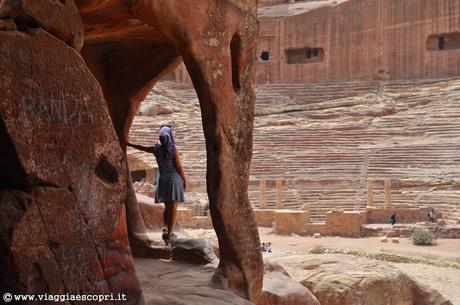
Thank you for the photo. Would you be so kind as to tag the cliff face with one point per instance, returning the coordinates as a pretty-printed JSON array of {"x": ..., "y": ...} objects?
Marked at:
[
  {"x": 359, "y": 40},
  {"x": 347, "y": 40}
]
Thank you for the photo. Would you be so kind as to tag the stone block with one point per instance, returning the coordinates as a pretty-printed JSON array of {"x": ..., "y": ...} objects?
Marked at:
[
  {"x": 202, "y": 222},
  {"x": 342, "y": 223},
  {"x": 291, "y": 221},
  {"x": 315, "y": 228},
  {"x": 184, "y": 215},
  {"x": 403, "y": 214},
  {"x": 264, "y": 217}
]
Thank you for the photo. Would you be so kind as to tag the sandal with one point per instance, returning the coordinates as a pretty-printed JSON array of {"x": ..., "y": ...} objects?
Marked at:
[{"x": 167, "y": 238}]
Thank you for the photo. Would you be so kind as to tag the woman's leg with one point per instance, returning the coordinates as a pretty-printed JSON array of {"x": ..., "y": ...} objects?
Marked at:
[
  {"x": 172, "y": 216},
  {"x": 166, "y": 215}
]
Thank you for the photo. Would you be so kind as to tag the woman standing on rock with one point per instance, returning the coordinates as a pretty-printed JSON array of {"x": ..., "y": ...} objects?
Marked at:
[{"x": 171, "y": 182}]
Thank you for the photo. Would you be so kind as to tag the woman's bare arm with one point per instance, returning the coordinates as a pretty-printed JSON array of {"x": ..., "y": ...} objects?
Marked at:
[
  {"x": 179, "y": 167},
  {"x": 148, "y": 149}
]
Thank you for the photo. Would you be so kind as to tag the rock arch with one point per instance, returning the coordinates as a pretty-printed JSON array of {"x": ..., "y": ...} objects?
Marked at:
[{"x": 128, "y": 46}]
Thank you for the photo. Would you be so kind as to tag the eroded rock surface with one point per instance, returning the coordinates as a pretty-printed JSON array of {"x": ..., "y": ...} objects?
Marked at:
[
  {"x": 347, "y": 280},
  {"x": 63, "y": 178},
  {"x": 169, "y": 282},
  {"x": 280, "y": 289},
  {"x": 194, "y": 250},
  {"x": 66, "y": 179},
  {"x": 129, "y": 48}
]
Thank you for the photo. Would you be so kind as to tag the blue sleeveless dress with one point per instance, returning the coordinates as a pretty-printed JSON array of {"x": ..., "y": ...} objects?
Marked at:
[{"x": 170, "y": 185}]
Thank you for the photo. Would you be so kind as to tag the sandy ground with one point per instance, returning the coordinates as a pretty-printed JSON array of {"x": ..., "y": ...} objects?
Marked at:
[{"x": 445, "y": 279}]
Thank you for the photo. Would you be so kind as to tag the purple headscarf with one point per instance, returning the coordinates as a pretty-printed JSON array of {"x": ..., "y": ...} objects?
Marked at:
[{"x": 167, "y": 140}]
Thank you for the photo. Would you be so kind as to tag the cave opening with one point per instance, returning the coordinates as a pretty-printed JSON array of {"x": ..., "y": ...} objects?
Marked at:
[
  {"x": 304, "y": 55},
  {"x": 265, "y": 56},
  {"x": 443, "y": 41}
]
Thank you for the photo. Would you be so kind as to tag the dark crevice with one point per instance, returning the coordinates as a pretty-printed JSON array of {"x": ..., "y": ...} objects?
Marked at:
[
  {"x": 105, "y": 171},
  {"x": 235, "y": 49},
  {"x": 12, "y": 174},
  {"x": 24, "y": 22}
]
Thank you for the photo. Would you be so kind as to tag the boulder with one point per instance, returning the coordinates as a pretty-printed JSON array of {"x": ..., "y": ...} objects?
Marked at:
[
  {"x": 152, "y": 213},
  {"x": 423, "y": 295},
  {"x": 194, "y": 250},
  {"x": 280, "y": 289},
  {"x": 152, "y": 110},
  {"x": 340, "y": 279}
]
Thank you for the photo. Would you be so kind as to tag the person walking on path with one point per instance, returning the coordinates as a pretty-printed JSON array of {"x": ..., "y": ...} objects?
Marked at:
[
  {"x": 431, "y": 215},
  {"x": 171, "y": 183},
  {"x": 393, "y": 218}
]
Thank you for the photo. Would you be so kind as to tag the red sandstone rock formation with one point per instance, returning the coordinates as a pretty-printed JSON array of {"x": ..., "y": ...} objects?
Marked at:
[
  {"x": 341, "y": 279},
  {"x": 217, "y": 43},
  {"x": 66, "y": 176},
  {"x": 63, "y": 177}
]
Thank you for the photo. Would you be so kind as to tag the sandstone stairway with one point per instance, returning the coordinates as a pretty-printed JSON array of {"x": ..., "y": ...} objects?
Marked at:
[{"x": 326, "y": 140}]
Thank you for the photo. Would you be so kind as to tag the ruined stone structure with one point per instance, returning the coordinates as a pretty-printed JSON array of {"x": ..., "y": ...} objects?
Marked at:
[{"x": 67, "y": 199}]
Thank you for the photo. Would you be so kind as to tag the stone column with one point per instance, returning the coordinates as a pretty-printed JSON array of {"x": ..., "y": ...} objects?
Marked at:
[
  {"x": 387, "y": 193},
  {"x": 279, "y": 193},
  {"x": 263, "y": 198},
  {"x": 370, "y": 193}
]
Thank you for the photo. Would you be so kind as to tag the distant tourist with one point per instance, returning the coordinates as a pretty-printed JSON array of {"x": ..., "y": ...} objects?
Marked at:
[
  {"x": 431, "y": 215},
  {"x": 268, "y": 247},
  {"x": 263, "y": 248},
  {"x": 171, "y": 181},
  {"x": 393, "y": 218}
]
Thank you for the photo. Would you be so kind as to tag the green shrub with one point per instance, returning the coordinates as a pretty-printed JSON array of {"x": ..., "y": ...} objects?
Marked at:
[
  {"x": 422, "y": 237},
  {"x": 318, "y": 249}
]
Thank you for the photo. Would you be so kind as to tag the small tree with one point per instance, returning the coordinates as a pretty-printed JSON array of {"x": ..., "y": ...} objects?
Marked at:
[{"x": 422, "y": 237}]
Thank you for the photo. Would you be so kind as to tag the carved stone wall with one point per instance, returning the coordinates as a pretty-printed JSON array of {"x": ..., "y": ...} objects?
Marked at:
[{"x": 359, "y": 40}]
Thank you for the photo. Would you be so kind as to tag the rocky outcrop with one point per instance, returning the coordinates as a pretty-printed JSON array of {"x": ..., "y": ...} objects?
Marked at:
[
  {"x": 152, "y": 213},
  {"x": 218, "y": 46},
  {"x": 340, "y": 279},
  {"x": 63, "y": 179},
  {"x": 171, "y": 282},
  {"x": 195, "y": 250},
  {"x": 280, "y": 289},
  {"x": 67, "y": 201}
]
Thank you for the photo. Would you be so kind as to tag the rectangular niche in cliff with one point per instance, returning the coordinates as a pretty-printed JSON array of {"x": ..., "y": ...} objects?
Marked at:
[
  {"x": 443, "y": 41},
  {"x": 138, "y": 175},
  {"x": 304, "y": 55}
]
